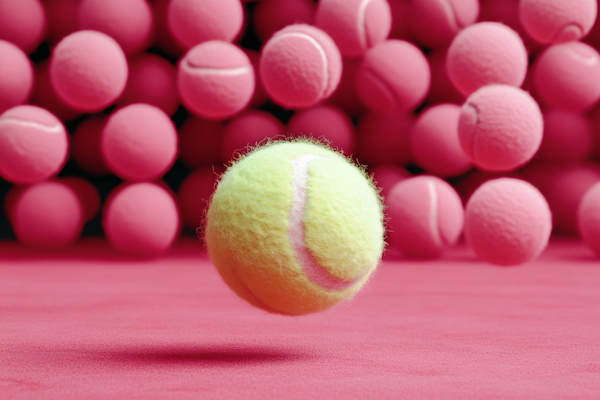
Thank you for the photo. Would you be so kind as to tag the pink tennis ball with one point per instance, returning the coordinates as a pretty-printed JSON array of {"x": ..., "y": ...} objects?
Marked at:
[
  {"x": 152, "y": 80},
  {"x": 16, "y": 76},
  {"x": 88, "y": 70},
  {"x": 567, "y": 76},
  {"x": 500, "y": 127},
  {"x": 300, "y": 66},
  {"x": 565, "y": 191},
  {"x": 557, "y": 21},
  {"x": 507, "y": 222},
  {"x": 195, "y": 21},
  {"x": 194, "y": 194},
  {"x": 23, "y": 22},
  {"x": 588, "y": 218},
  {"x": 393, "y": 76},
  {"x": 273, "y": 15},
  {"x": 386, "y": 176},
  {"x": 87, "y": 193},
  {"x": 247, "y": 129},
  {"x": 200, "y": 142},
  {"x": 324, "y": 121},
  {"x": 433, "y": 23},
  {"x": 215, "y": 80},
  {"x": 354, "y": 25},
  {"x": 141, "y": 219},
  {"x": 62, "y": 18},
  {"x": 128, "y": 22},
  {"x": 435, "y": 144},
  {"x": 426, "y": 216},
  {"x": 139, "y": 142},
  {"x": 48, "y": 215},
  {"x": 85, "y": 146},
  {"x": 33, "y": 144},
  {"x": 384, "y": 138},
  {"x": 345, "y": 96},
  {"x": 568, "y": 137},
  {"x": 45, "y": 96},
  {"x": 486, "y": 53},
  {"x": 442, "y": 89}
]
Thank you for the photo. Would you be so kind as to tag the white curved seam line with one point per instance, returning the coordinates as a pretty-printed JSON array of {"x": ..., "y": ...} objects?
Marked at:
[
  {"x": 585, "y": 60},
  {"x": 216, "y": 71},
  {"x": 319, "y": 49},
  {"x": 433, "y": 212},
  {"x": 51, "y": 129},
  {"x": 296, "y": 233},
  {"x": 361, "y": 23},
  {"x": 451, "y": 14}
]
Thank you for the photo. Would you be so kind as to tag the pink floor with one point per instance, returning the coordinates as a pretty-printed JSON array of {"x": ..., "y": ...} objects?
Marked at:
[{"x": 88, "y": 324}]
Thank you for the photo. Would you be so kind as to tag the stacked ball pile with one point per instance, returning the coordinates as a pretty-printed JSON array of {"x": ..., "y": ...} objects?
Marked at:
[{"x": 121, "y": 114}]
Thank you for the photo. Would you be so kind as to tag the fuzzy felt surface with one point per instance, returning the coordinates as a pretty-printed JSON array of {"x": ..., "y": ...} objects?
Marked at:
[{"x": 251, "y": 239}]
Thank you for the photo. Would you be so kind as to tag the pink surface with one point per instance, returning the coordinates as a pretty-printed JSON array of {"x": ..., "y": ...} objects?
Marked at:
[
  {"x": 23, "y": 22},
  {"x": 393, "y": 76},
  {"x": 16, "y": 76},
  {"x": 88, "y": 323},
  {"x": 273, "y": 15},
  {"x": 200, "y": 142}
]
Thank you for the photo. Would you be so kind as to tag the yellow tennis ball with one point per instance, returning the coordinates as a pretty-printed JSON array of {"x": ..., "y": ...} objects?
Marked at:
[{"x": 294, "y": 227}]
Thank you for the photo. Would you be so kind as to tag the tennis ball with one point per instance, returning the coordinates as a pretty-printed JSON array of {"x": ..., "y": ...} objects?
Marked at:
[{"x": 294, "y": 227}]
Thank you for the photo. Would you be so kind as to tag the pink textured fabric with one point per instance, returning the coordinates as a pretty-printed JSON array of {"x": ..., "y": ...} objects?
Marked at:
[
  {"x": 215, "y": 80},
  {"x": 194, "y": 195},
  {"x": 426, "y": 216},
  {"x": 89, "y": 323},
  {"x": 273, "y": 15},
  {"x": 354, "y": 25},
  {"x": 139, "y": 142},
  {"x": 557, "y": 21},
  {"x": 192, "y": 22},
  {"x": 86, "y": 146},
  {"x": 141, "y": 219},
  {"x": 433, "y": 23},
  {"x": 88, "y": 70},
  {"x": 384, "y": 138},
  {"x": 300, "y": 65},
  {"x": 588, "y": 218},
  {"x": 484, "y": 54},
  {"x": 128, "y": 22},
  {"x": 16, "y": 76},
  {"x": 248, "y": 129},
  {"x": 33, "y": 144},
  {"x": 23, "y": 22},
  {"x": 200, "y": 142},
  {"x": 152, "y": 80},
  {"x": 48, "y": 215},
  {"x": 567, "y": 76},
  {"x": 435, "y": 144},
  {"x": 393, "y": 76},
  {"x": 324, "y": 121},
  {"x": 500, "y": 127},
  {"x": 507, "y": 222},
  {"x": 568, "y": 137}
]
